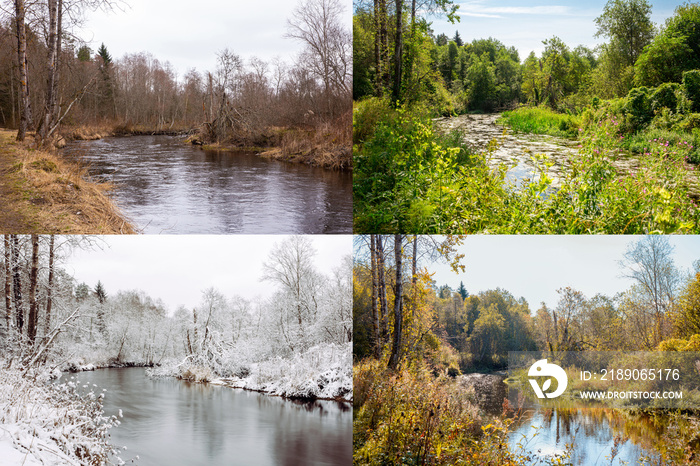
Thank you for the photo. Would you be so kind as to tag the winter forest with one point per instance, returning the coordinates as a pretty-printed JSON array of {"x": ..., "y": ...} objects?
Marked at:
[{"x": 294, "y": 342}]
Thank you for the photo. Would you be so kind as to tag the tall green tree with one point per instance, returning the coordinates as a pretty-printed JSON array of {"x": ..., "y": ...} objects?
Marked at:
[{"x": 627, "y": 23}]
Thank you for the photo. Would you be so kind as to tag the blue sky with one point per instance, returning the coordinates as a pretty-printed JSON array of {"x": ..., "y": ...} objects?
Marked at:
[
  {"x": 525, "y": 25},
  {"x": 536, "y": 266}
]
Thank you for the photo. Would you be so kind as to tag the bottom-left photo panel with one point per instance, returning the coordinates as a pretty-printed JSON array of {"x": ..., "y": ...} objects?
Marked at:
[{"x": 177, "y": 350}]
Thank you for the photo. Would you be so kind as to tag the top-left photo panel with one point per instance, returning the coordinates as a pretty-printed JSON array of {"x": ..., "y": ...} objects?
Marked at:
[{"x": 173, "y": 117}]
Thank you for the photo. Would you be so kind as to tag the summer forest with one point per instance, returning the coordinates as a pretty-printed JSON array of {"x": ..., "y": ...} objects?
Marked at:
[{"x": 464, "y": 136}]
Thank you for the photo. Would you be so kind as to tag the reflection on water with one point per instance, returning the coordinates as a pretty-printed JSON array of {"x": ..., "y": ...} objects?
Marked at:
[
  {"x": 166, "y": 186},
  {"x": 168, "y": 421},
  {"x": 593, "y": 436}
]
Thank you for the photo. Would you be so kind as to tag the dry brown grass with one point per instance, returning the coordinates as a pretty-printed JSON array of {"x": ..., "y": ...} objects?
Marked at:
[
  {"x": 56, "y": 196},
  {"x": 328, "y": 145}
]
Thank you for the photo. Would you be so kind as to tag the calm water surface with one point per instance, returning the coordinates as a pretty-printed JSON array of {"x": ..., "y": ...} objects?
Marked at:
[
  {"x": 172, "y": 422},
  {"x": 166, "y": 186}
]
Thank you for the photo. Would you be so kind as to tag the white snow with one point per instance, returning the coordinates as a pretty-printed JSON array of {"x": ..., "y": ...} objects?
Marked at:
[{"x": 50, "y": 424}]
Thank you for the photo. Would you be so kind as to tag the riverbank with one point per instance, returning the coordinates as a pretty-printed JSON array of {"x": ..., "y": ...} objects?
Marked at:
[
  {"x": 42, "y": 192},
  {"x": 326, "y": 145},
  {"x": 323, "y": 372},
  {"x": 101, "y": 131},
  {"x": 51, "y": 424}
]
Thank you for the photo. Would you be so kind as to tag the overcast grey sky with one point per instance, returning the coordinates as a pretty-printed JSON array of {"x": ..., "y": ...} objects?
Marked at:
[
  {"x": 177, "y": 268},
  {"x": 536, "y": 266},
  {"x": 189, "y": 34},
  {"x": 525, "y": 25}
]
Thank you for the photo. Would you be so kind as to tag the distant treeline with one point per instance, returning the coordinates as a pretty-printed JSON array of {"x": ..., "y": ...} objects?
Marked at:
[
  {"x": 484, "y": 74},
  {"x": 93, "y": 88}
]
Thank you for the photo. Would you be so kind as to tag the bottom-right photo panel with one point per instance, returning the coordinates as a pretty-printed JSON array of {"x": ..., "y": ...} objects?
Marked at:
[{"x": 526, "y": 350}]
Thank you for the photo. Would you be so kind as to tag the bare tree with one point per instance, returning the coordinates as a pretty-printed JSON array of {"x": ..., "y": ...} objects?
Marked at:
[
  {"x": 8, "y": 284},
  {"x": 25, "y": 107},
  {"x": 33, "y": 279},
  {"x": 649, "y": 263},
  {"x": 318, "y": 24}
]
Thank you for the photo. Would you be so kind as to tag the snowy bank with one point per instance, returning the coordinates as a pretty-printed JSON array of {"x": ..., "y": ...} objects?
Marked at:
[
  {"x": 51, "y": 424},
  {"x": 321, "y": 372}
]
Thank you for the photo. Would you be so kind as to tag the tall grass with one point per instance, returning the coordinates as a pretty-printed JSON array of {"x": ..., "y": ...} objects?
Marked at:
[
  {"x": 542, "y": 120},
  {"x": 57, "y": 196}
]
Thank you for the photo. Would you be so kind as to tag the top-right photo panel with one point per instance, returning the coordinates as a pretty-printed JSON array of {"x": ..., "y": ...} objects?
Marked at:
[{"x": 501, "y": 116}]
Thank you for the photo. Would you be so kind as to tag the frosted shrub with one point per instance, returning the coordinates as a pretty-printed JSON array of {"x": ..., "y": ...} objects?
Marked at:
[{"x": 61, "y": 419}]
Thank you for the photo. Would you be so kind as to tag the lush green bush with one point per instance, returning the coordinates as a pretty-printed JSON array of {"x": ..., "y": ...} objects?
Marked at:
[
  {"x": 666, "y": 95},
  {"x": 691, "y": 88},
  {"x": 366, "y": 115},
  {"x": 638, "y": 107}
]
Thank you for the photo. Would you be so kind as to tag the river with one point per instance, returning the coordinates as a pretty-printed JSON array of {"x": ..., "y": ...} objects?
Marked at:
[
  {"x": 173, "y": 422},
  {"x": 516, "y": 149},
  {"x": 166, "y": 186},
  {"x": 593, "y": 436}
]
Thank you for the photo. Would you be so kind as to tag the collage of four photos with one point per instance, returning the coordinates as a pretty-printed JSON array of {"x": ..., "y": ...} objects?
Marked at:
[{"x": 335, "y": 232}]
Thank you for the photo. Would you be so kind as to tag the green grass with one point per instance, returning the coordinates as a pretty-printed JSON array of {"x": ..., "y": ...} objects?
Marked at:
[{"x": 541, "y": 120}]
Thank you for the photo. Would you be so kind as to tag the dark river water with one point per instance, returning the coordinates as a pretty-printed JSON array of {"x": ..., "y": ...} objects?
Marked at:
[
  {"x": 166, "y": 186},
  {"x": 172, "y": 422}
]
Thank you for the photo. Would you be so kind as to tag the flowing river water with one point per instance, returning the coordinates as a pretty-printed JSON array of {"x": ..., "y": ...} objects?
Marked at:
[
  {"x": 166, "y": 186},
  {"x": 516, "y": 149},
  {"x": 173, "y": 422}
]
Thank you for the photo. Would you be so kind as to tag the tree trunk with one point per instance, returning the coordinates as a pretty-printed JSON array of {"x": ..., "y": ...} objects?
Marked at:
[
  {"x": 26, "y": 110},
  {"x": 49, "y": 288},
  {"x": 50, "y": 104},
  {"x": 414, "y": 262},
  {"x": 381, "y": 280},
  {"x": 17, "y": 284},
  {"x": 8, "y": 285},
  {"x": 398, "y": 307},
  {"x": 33, "y": 278},
  {"x": 398, "y": 52},
  {"x": 375, "y": 295}
]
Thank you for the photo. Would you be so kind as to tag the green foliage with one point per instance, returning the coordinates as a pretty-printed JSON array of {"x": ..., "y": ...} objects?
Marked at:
[
  {"x": 691, "y": 88},
  {"x": 662, "y": 61},
  {"x": 362, "y": 58},
  {"x": 638, "y": 107},
  {"x": 409, "y": 179},
  {"x": 542, "y": 120},
  {"x": 366, "y": 115},
  {"x": 84, "y": 53},
  {"x": 104, "y": 55},
  {"x": 628, "y": 24},
  {"x": 666, "y": 95}
]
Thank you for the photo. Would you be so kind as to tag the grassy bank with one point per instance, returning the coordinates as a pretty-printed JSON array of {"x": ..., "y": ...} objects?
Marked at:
[
  {"x": 326, "y": 144},
  {"x": 42, "y": 192},
  {"x": 540, "y": 120}
]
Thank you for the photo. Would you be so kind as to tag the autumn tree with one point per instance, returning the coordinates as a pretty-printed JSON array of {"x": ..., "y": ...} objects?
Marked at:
[{"x": 649, "y": 263}]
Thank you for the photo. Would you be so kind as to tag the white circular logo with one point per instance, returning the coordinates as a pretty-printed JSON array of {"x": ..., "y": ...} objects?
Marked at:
[{"x": 544, "y": 369}]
